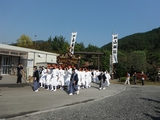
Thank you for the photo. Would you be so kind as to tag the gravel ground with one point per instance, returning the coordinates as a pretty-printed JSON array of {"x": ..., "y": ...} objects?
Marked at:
[{"x": 135, "y": 103}]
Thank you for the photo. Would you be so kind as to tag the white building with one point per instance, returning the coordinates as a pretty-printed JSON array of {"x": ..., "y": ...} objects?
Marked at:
[{"x": 12, "y": 55}]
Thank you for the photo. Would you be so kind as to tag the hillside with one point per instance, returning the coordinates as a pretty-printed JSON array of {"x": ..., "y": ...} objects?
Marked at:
[{"x": 140, "y": 41}]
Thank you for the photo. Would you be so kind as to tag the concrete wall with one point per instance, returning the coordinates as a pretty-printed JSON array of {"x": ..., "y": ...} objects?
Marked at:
[
  {"x": 38, "y": 58},
  {"x": 51, "y": 59}
]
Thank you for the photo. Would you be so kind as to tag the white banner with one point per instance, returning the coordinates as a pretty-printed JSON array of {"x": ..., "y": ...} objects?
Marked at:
[
  {"x": 114, "y": 48},
  {"x": 73, "y": 41}
]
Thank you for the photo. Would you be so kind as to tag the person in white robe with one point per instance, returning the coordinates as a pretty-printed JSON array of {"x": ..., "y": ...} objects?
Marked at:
[
  {"x": 43, "y": 77},
  {"x": 83, "y": 78},
  {"x": 108, "y": 77},
  {"x": 94, "y": 76},
  {"x": 48, "y": 77},
  {"x": 97, "y": 73},
  {"x": 68, "y": 76},
  {"x": 79, "y": 78},
  {"x": 61, "y": 75},
  {"x": 86, "y": 78},
  {"x": 90, "y": 78},
  {"x": 54, "y": 78}
]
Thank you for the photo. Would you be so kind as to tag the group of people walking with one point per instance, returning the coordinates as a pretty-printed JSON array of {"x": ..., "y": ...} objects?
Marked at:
[
  {"x": 142, "y": 77},
  {"x": 71, "y": 78},
  {"x": 68, "y": 77}
]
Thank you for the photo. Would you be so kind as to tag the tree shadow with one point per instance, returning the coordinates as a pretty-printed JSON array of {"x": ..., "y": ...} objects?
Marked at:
[
  {"x": 158, "y": 112},
  {"x": 15, "y": 85},
  {"x": 157, "y": 107},
  {"x": 152, "y": 117},
  {"x": 147, "y": 99}
]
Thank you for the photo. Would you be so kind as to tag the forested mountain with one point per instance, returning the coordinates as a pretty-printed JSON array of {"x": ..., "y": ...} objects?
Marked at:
[
  {"x": 139, "y": 52},
  {"x": 149, "y": 41}
]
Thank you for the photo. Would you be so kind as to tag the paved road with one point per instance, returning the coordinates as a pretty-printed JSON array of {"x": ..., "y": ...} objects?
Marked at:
[
  {"x": 135, "y": 103},
  {"x": 18, "y": 100}
]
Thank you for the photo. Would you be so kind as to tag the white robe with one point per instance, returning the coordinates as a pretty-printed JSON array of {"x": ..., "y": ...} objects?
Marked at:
[
  {"x": 108, "y": 77},
  {"x": 43, "y": 77},
  {"x": 48, "y": 77},
  {"x": 83, "y": 77},
  {"x": 61, "y": 77},
  {"x": 87, "y": 79},
  {"x": 68, "y": 76},
  {"x": 54, "y": 77},
  {"x": 79, "y": 78},
  {"x": 96, "y": 75}
]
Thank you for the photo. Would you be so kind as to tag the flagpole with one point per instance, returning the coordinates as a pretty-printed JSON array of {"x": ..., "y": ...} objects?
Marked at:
[{"x": 112, "y": 57}]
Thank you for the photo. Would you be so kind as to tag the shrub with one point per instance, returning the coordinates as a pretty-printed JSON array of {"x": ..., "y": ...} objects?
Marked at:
[{"x": 122, "y": 79}]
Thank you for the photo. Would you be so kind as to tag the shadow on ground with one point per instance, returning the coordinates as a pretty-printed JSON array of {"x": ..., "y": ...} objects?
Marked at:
[{"x": 14, "y": 85}]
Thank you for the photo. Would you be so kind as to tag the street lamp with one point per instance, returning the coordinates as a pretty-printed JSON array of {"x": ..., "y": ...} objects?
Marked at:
[{"x": 35, "y": 39}]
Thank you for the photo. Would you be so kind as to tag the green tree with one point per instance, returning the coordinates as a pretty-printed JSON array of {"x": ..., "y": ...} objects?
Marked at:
[
  {"x": 153, "y": 62},
  {"x": 92, "y": 48},
  {"x": 120, "y": 68},
  {"x": 105, "y": 60},
  {"x": 24, "y": 41},
  {"x": 59, "y": 45},
  {"x": 138, "y": 61},
  {"x": 79, "y": 47},
  {"x": 46, "y": 46}
]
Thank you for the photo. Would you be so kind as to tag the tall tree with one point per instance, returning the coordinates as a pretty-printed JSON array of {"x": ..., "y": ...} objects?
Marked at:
[
  {"x": 59, "y": 44},
  {"x": 153, "y": 63},
  {"x": 92, "y": 48},
  {"x": 105, "y": 60},
  {"x": 138, "y": 61},
  {"x": 120, "y": 68},
  {"x": 79, "y": 47},
  {"x": 24, "y": 41}
]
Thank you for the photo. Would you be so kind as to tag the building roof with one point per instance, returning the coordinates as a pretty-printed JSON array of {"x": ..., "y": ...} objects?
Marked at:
[{"x": 12, "y": 48}]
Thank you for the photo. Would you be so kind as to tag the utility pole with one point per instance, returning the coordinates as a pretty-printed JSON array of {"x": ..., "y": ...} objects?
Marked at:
[{"x": 35, "y": 40}]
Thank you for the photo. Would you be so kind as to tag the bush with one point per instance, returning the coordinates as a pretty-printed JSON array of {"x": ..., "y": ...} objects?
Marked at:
[{"x": 122, "y": 79}]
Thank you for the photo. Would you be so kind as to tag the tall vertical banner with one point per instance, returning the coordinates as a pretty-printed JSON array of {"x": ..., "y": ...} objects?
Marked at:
[
  {"x": 73, "y": 41},
  {"x": 114, "y": 48}
]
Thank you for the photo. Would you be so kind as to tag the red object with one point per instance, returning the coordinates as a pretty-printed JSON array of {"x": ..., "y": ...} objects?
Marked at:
[{"x": 140, "y": 75}]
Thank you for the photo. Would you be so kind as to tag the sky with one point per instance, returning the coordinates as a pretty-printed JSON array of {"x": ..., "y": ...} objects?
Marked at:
[{"x": 94, "y": 20}]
